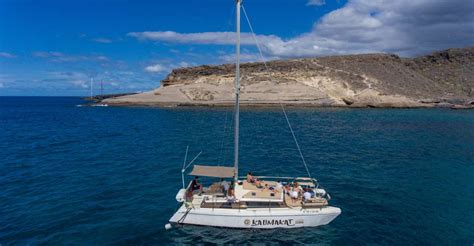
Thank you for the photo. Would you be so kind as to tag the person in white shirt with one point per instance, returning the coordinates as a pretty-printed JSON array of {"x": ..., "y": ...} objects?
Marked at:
[
  {"x": 294, "y": 195},
  {"x": 307, "y": 196},
  {"x": 225, "y": 186}
]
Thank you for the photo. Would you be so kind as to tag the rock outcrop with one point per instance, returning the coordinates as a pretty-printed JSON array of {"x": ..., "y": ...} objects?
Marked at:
[{"x": 372, "y": 80}]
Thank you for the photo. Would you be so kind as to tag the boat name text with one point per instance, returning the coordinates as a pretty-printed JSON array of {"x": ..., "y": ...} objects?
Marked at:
[{"x": 287, "y": 222}]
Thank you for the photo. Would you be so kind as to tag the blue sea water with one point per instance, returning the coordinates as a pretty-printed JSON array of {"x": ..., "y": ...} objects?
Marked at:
[{"x": 95, "y": 175}]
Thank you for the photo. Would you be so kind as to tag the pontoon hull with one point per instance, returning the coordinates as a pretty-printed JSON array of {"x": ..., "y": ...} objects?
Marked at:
[{"x": 256, "y": 218}]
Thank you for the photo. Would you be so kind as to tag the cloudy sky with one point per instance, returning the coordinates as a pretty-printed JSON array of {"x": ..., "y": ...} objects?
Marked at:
[{"x": 54, "y": 47}]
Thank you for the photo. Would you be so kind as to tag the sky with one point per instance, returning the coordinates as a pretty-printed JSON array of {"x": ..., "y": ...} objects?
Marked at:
[{"x": 54, "y": 47}]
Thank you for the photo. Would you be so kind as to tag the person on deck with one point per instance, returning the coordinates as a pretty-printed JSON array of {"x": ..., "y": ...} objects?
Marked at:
[
  {"x": 231, "y": 189},
  {"x": 307, "y": 195},
  {"x": 279, "y": 185},
  {"x": 294, "y": 195},
  {"x": 250, "y": 178},
  {"x": 287, "y": 189},
  {"x": 271, "y": 188},
  {"x": 225, "y": 186},
  {"x": 295, "y": 192},
  {"x": 195, "y": 185}
]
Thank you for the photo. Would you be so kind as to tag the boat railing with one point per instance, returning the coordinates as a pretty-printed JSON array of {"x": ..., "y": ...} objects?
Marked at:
[{"x": 284, "y": 178}]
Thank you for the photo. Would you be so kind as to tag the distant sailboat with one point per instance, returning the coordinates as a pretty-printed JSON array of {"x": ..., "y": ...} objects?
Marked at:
[
  {"x": 251, "y": 202},
  {"x": 91, "y": 87},
  {"x": 91, "y": 94},
  {"x": 101, "y": 89},
  {"x": 101, "y": 94}
]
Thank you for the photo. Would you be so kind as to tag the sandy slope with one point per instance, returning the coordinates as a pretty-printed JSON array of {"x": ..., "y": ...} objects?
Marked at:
[{"x": 374, "y": 80}]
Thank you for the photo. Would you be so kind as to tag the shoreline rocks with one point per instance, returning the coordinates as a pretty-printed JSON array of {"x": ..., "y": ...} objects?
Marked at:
[{"x": 441, "y": 79}]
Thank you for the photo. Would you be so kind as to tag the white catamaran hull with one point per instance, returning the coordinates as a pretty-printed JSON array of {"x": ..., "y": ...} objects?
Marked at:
[{"x": 255, "y": 218}]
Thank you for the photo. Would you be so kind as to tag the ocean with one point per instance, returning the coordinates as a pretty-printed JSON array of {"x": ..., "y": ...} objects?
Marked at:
[{"x": 109, "y": 175}]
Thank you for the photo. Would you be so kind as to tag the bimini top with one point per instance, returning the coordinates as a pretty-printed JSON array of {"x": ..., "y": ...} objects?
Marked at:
[{"x": 213, "y": 171}]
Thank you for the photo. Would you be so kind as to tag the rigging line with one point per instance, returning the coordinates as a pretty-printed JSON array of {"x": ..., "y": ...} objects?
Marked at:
[
  {"x": 226, "y": 148},
  {"x": 191, "y": 162},
  {"x": 222, "y": 152},
  {"x": 296, "y": 141},
  {"x": 222, "y": 140},
  {"x": 279, "y": 100}
]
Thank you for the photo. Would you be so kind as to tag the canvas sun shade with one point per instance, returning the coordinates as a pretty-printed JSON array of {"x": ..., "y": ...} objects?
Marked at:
[{"x": 212, "y": 171}]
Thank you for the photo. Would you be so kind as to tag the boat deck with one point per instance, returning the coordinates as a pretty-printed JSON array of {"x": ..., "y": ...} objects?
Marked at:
[{"x": 248, "y": 195}]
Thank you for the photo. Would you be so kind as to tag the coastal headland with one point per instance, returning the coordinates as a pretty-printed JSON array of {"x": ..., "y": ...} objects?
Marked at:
[{"x": 440, "y": 79}]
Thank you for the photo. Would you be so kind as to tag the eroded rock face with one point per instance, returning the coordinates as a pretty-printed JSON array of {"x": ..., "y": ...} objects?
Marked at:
[{"x": 375, "y": 80}]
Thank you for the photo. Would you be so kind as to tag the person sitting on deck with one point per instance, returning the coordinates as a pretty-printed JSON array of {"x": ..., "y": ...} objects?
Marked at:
[
  {"x": 297, "y": 187},
  {"x": 279, "y": 185},
  {"x": 225, "y": 186},
  {"x": 250, "y": 178},
  {"x": 295, "y": 192},
  {"x": 313, "y": 194},
  {"x": 230, "y": 191},
  {"x": 294, "y": 195},
  {"x": 307, "y": 195},
  {"x": 287, "y": 189},
  {"x": 270, "y": 188},
  {"x": 195, "y": 185}
]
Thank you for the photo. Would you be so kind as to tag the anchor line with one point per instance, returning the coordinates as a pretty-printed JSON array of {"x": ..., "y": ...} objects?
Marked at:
[{"x": 180, "y": 221}]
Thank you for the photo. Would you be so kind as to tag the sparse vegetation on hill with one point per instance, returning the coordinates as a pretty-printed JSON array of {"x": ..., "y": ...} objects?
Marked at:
[{"x": 373, "y": 80}]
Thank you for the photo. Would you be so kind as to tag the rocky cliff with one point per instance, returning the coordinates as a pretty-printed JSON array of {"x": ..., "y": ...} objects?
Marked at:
[{"x": 443, "y": 78}]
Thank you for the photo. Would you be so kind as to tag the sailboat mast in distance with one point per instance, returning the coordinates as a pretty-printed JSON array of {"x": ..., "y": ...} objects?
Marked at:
[
  {"x": 237, "y": 96},
  {"x": 92, "y": 84}
]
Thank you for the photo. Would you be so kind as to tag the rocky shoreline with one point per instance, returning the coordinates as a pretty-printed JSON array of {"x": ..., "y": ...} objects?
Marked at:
[{"x": 442, "y": 79}]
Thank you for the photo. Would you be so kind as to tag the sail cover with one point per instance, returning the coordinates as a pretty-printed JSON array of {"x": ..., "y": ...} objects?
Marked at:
[{"x": 213, "y": 171}]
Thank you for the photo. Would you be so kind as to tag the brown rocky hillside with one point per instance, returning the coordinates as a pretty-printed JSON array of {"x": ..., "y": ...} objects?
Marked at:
[{"x": 374, "y": 80}]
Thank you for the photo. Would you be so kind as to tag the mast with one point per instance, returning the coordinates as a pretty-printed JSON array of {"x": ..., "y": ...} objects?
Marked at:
[
  {"x": 92, "y": 84},
  {"x": 237, "y": 95}
]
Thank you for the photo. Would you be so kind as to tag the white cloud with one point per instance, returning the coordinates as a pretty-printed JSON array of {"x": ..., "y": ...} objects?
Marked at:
[
  {"x": 157, "y": 68},
  {"x": 184, "y": 64},
  {"x": 46, "y": 54},
  {"x": 60, "y": 57},
  {"x": 102, "y": 40},
  {"x": 405, "y": 27},
  {"x": 316, "y": 2},
  {"x": 78, "y": 79},
  {"x": 80, "y": 83},
  {"x": 101, "y": 58},
  {"x": 222, "y": 38},
  {"x": 7, "y": 55},
  {"x": 245, "y": 57}
]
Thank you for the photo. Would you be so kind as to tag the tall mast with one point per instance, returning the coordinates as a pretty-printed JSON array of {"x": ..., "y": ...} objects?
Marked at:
[
  {"x": 92, "y": 84},
  {"x": 237, "y": 95}
]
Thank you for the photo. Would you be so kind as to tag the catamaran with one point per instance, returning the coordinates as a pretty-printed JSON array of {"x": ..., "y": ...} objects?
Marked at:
[{"x": 251, "y": 202}]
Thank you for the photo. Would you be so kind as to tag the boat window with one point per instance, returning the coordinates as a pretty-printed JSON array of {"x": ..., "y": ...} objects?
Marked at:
[
  {"x": 264, "y": 204},
  {"x": 217, "y": 205}
]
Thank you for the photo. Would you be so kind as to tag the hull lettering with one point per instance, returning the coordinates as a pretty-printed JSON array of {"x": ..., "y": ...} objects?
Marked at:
[{"x": 270, "y": 222}]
